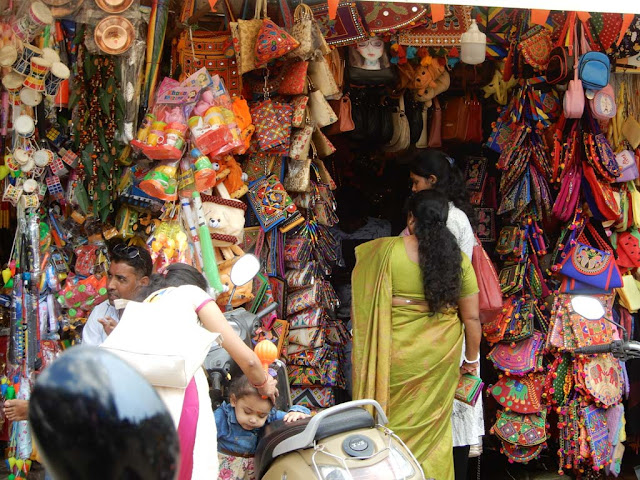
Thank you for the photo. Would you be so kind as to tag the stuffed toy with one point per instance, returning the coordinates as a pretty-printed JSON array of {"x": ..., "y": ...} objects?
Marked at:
[
  {"x": 442, "y": 85},
  {"x": 498, "y": 87},
  {"x": 224, "y": 217},
  {"x": 426, "y": 74},
  {"x": 230, "y": 172},
  {"x": 243, "y": 120}
]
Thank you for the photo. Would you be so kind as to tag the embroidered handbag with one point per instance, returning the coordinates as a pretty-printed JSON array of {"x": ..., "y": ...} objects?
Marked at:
[
  {"x": 272, "y": 42},
  {"x": 259, "y": 165},
  {"x": 589, "y": 331},
  {"x": 521, "y": 325},
  {"x": 595, "y": 422},
  {"x": 558, "y": 383},
  {"x": 245, "y": 34},
  {"x": 535, "y": 46},
  {"x": 306, "y": 31},
  {"x": 299, "y": 105},
  {"x": 298, "y": 176},
  {"x": 297, "y": 249},
  {"x": 346, "y": 28},
  {"x": 312, "y": 317},
  {"x": 519, "y": 453},
  {"x": 294, "y": 78},
  {"x": 567, "y": 199},
  {"x": 270, "y": 132},
  {"x": 312, "y": 397},
  {"x": 272, "y": 204},
  {"x": 494, "y": 329},
  {"x": 518, "y": 429},
  {"x": 301, "y": 278},
  {"x": 519, "y": 394},
  {"x": 600, "y": 376},
  {"x": 213, "y": 51},
  {"x": 592, "y": 266},
  {"x": 469, "y": 389},
  {"x": 300, "y": 145},
  {"x": 303, "y": 299},
  {"x": 517, "y": 359},
  {"x": 311, "y": 337}
]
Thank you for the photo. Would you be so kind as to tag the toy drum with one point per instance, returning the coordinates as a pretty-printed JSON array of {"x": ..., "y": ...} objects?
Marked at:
[
  {"x": 11, "y": 163},
  {"x": 24, "y": 126},
  {"x": 12, "y": 82},
  {"x": 30, "y": 98},
  {"x": 59, "y": 72},
  {"x": 11, "y": 194},
  {"x": 43, "y": 157},
  {"x": 23, "y": 62},
  {"x": 50, "y": 54},
  {"x": 39, "y": 69},
  {"x": 32, "y": 22},
  {"x": 21, "y": 156},
  {"x": 8, "y": 55}
]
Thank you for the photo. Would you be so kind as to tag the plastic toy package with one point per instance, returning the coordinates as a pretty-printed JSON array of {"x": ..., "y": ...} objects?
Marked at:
[{"x": 169, "y": 244}]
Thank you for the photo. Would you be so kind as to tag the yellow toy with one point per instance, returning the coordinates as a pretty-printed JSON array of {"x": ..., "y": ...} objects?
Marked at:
[
  {"x": 498, "y": 87},
  {"x": 426, "y": 74}
]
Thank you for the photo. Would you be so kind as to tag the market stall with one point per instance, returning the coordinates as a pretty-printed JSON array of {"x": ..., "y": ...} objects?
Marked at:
[{"x": 210, "y": 130}]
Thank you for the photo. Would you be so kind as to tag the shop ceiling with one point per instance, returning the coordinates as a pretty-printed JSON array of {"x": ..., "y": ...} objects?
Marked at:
[{"x": 614, "y": 6}]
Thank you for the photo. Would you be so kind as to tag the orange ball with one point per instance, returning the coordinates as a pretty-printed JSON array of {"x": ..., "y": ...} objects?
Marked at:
[{"x": 267, "y": 352}]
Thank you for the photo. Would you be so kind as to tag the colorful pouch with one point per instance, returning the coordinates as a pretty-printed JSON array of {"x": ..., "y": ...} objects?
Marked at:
[
  {"x": 522, "y": 395},
  {"x": 272, "y": 130},
  {"x": 305, "y": 376},
  {"x": 523, "y": 430},
  {"x": 302, "y": 278},
  {"x": 273, "y": 42},
  {"x": 294, "y": 78},
  {"x": 469, "y": 389},
  {"x": 517, "y": 359},
  {"x": 303, "y": 299},
  {"x": 519, "y": 453},
  {"x": 312, "y": 397},
  {"x": 297, "y": 249},
  {"x": 602, "y": 379},
  {"x": 271, "y": 203},
  {"x": 595, "y": 422},
  {"x": 312, "y": 317},
  {"x": 263, "y": 164},
  {"x": 592, "y": 266},
  {"x": 299, "y": 104},
  {"x": 311, "y": 337},
  {"x": 587, "y": 331},
  {"x": 626, "y": 160}
]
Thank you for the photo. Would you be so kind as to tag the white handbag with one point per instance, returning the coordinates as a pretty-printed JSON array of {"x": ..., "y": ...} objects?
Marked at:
[
  {"x": 320, "y": 110},
  {"x": 162, "y": 340}
]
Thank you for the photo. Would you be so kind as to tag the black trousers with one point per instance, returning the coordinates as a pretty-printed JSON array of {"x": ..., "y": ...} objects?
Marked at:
[{"x": 461, "y": 461}]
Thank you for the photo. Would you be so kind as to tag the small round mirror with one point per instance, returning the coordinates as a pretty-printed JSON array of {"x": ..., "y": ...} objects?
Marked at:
[
  {"x": 589, "y": 307},
  {"x": 245, "y": 268}
]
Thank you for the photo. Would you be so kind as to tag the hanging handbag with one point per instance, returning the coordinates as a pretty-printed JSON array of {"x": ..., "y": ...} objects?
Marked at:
[
  {"x": 561, "y": 58},
  {"x": 195, "y": 49},
  {"x": 320, "y": 111},
  {"x": 273, "y": 42},
  {"x": 627, "y": 165},
  {"x": 473, "y": 131},
  {"x": 306, "y": 31},
  {"x": 272, "y": 205},
  {"x": 298, "y": 176},
  {"x": 490, "y": 294},
  {"x": 455, "y": 118},
  {"x": 245, "y": 34},
  {"x": 345, "y": 28},
  {"x": 423, "y": 140},
  {"x": 603, "y": 104},
  {"x": 592, "y": 266},
  {"x": 301, "y": 144},
  {"x": 401, "y": 131},
  {"x": 519, "y": 358},
  {"x": 294, "y": 78},
  {"x": 573, "y": 101},
  {"x": 342, "y": 108},
  {"x": 323, "y": 79},
  {"x": 601, "y": 378},
  {"x": 518, "y": 429},
  {"x": 435, "y": 131},
  {"x": 322, "y": 144},
  {"x": 299, "y": 116},
  {"x": 271, "y": 131},
  {"x": 520, "y": 394},
  {"x": 593, "y": 70}
]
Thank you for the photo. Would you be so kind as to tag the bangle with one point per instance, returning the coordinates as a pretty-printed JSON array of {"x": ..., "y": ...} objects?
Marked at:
[
  {"x": 266, "y": 379},
  {"x": 466, "y": 360}
]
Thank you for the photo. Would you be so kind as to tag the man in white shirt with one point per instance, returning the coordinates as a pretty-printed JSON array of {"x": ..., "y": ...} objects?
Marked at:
[{"x": 129, "y": 271}]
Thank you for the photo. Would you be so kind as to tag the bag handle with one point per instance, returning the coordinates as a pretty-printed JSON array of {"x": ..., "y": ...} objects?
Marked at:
[{"x": 260, "y": 10}]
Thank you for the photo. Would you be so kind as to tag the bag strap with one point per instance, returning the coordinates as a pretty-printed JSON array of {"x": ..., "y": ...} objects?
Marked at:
[{"x": 260, "y": 10}]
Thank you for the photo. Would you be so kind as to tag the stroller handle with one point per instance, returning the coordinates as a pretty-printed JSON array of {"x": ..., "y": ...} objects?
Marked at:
[{"x": 305, "y": 438}]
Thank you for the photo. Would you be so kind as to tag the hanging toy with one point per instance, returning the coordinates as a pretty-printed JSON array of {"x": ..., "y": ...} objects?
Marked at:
[
  {"x": 205, "y": 173},
  {"x": 267, "y": 352}
]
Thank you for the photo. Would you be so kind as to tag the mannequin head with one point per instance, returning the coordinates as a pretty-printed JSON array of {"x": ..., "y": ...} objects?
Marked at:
[{"x": 369, "y": 54}]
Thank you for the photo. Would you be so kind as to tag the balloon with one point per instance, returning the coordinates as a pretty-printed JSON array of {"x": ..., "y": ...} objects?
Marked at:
[{"x": 94, "y": 416}]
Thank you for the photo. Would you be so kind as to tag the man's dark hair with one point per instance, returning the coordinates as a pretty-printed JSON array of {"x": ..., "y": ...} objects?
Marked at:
[{"x": 136, "y": 257}]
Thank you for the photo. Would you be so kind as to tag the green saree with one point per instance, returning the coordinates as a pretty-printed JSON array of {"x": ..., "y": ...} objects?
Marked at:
[{"x": 404, "y": 358}]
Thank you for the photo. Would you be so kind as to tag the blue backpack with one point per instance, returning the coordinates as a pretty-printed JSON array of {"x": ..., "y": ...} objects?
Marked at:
[{"x": 593, "y": 70}]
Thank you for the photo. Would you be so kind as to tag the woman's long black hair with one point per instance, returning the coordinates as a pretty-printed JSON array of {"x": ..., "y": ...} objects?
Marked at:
[
  {"x": 439, "y": 254},
  {"x": 450, "y": 179},
  {"x": 175, "y": 275}
]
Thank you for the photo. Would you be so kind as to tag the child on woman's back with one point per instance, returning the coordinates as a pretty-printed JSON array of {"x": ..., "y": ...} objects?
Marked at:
[{"x": 240, "y": 425}]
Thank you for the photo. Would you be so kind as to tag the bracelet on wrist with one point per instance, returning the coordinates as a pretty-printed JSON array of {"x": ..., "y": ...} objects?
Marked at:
[
  {"x": 258, "y": 387},
  {"x": 466, "y": 360}
]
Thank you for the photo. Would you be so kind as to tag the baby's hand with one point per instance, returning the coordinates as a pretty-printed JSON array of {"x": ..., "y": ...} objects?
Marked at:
[{"x": 294, "y": 416}]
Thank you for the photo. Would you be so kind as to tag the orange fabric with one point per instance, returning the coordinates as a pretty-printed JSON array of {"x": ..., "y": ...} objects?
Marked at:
[
  {"x": 437, "y": 12},
  {"x": 539, "y": 17}
]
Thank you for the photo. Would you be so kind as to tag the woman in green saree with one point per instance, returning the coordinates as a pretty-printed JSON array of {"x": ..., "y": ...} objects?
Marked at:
[{"x": 414, "y": 298}]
